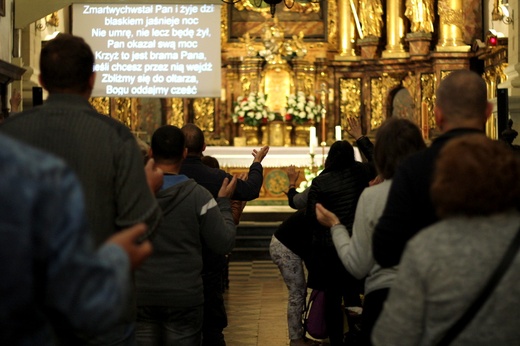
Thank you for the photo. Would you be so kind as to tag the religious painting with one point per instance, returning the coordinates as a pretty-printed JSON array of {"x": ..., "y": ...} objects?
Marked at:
[{"x": 307, "y": 17}]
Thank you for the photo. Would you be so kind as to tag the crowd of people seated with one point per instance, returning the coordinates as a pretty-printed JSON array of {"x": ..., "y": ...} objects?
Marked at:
[{"x": 101, "y": 249}]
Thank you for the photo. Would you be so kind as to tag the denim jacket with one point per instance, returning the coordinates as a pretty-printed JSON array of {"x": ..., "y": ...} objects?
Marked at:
[{"x": 52, "y": 279}]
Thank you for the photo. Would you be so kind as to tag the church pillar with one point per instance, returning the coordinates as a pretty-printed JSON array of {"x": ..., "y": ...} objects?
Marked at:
[
  {"x": 347, "y": 31},
  {"x": 251, "y": 75},
  {"x": 304, "y": 76},
  {"x": 451, "y": 24},
  {"x": 394, "y": 30}
]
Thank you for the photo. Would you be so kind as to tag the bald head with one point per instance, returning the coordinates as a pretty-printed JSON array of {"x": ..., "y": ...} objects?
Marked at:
[
  {"x": 194, "y": 139},
  {"x": 461, "y": 101}
]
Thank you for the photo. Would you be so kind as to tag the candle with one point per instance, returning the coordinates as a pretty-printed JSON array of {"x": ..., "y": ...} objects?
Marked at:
[
  {"x": 323, "y": 125},
  {"x": 331, "y": 95},
  {"x": 337, "y": 131},
  {"x": 223, "y": 95},
  {"x": 312, "y": 139}
]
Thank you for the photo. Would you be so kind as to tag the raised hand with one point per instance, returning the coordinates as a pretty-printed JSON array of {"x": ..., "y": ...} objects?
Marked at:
[
  {"x": 354, "y": 128},
  {"x": 260, "y": 154},
  {"x": 228, "y": 187}
]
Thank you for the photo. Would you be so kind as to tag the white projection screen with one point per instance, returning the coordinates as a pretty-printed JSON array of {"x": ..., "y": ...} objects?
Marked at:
[{"x": 152, "y": 50}]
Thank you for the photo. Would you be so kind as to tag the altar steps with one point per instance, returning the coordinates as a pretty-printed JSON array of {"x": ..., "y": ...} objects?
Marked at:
[{"x": 257, "y": 225}]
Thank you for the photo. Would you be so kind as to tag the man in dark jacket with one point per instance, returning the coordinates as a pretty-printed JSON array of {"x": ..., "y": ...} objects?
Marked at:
[
  {"x": 102, "y": 152},
  {"x": 215, "y": 318},
  {"x": 461, "y": 108}
]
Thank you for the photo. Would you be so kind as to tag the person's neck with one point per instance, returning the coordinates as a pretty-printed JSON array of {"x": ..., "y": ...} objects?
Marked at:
[
  {"x": 199, "y": 155},
  {"x": 169, "y": 169},
  {"x": 464, "y": 125}
]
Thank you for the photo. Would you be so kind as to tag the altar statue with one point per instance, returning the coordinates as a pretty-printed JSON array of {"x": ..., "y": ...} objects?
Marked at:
[
  {"x": 273, "y": 40},
  {"x": 370, "y": 17},
  {"x": 420, "y": 14},
  {"x": 248, "y": 43},
  {"x": 298, "y": 46}
]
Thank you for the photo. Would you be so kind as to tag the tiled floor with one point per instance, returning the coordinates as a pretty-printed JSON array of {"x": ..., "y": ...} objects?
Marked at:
[{"x": 256, "y": 304}]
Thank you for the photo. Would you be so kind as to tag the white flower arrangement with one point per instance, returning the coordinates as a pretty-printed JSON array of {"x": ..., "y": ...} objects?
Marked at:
[
  {"x": 309, "y": 176},
  {"x": 301, "y": 109},
  {"x": 251, "y": 110}
]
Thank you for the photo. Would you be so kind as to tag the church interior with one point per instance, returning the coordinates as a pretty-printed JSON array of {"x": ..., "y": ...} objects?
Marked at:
[
  {"x": 343, "y": 59},
  {"x": 361, "y": 59}
]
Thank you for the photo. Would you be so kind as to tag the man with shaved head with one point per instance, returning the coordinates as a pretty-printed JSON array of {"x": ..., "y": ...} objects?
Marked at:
[
  {"x": 215, "y": 317},
  {"x": 461, "y": 108}
]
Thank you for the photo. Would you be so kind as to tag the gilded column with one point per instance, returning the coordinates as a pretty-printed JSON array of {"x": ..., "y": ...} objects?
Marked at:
[
  {"x": 250, "y": 75},
  {"x": 394, "y": 31},
  {"x": 451, "y": 26},
  {"x": 304, "y": 76},
  {"x": 347, "y": 30}
]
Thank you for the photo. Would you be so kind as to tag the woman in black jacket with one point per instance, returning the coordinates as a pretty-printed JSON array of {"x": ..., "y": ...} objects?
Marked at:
[{"x": 337, "y": 190}]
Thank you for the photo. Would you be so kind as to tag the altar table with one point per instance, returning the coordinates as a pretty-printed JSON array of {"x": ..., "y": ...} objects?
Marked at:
[{"x": 237, "y": 160}]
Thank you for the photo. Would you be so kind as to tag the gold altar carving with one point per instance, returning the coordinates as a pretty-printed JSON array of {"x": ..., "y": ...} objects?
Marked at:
[
  {"x": 380, "y": 89},
  {"x": 299, "y": 7},
  {"x": 101, "y": 104},
  {"x": 303, "y": 76},
  {"x": 277, "y": 85},
  {"x": 450, "y": 15},
  {"x": 277, "y": 77},
  {"x": 204, "y": 114},
  {"x": 277, "y": 133},
  {"x": 174, "y": 111},
  {"x": 445, "y": 73},
  {"x": 428, "y": 97},
  {"x": 410, "y": 85},
  {"x": 251, "y": 134},
  {"x": 376, "y": 103},
  {"x": 321, "y": 24},
  {"x": 420, "y": 13},
  {"x": 367, "y": 84},
  {"x": 301, "y": 134},
  {"x": 127, "y": 111},
  {"x": 370, "y": 17},
  {"x": 350, "y": 100},
  {"x": 332, "y": 15},
  {"x": 264, "y": 135}
]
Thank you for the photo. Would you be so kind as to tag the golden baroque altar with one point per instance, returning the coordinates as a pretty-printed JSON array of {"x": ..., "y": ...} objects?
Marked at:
[{"x": 358, "y": 58}]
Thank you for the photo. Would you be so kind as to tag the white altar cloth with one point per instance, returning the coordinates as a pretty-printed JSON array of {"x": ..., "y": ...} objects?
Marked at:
[{"x": 277, "y": 156}]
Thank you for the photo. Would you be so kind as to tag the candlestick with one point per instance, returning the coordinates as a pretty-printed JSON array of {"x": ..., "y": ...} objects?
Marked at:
[
  {"x": 323, "y": 123},
  {"x": 337, "y": 131}
]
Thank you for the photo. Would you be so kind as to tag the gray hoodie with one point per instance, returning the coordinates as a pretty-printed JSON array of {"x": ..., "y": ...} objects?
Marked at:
[{"x": 172, "y": 274}]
